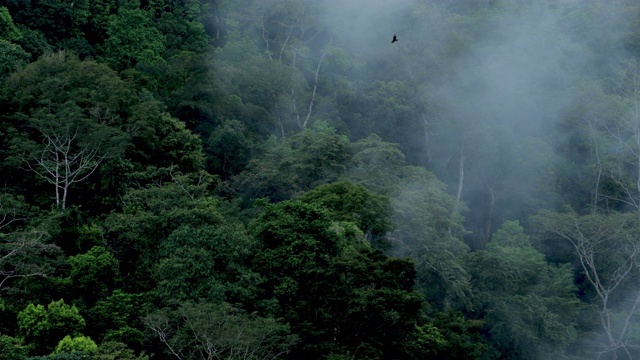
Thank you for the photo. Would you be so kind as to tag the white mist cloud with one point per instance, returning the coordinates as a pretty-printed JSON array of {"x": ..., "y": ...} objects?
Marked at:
[{"x": 364, "y": 26}]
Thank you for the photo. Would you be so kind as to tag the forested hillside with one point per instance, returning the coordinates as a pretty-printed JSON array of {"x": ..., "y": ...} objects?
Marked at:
[{"x": 276, "y": 179}]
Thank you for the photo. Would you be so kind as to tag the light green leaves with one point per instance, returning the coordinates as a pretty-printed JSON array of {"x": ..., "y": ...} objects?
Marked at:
[
  {"x": 44, "y": 328},
  {"x": 77, "y": 343}
]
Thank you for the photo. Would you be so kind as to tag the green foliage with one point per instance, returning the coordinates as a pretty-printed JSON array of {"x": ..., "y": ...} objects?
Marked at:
[
  {"x": 430, "y": 229},
  {"x": 315, "y": 156},
  {"x": 463, "y": 338},
  {"x": 25, "y": 254},
  {"x": 376, "y": 164},
  {"x": 53, "y": 18},
  {"x": 34, "y": 43},
  {"x": 508, "y": 105},
  {"x": 385, "y": 107},
  {"x": 151, "y": 215},
  {"x": 117, "y": 318},
  {"x": 111, "y": 350},
  {"x": 116, "y": 311},
  {"x": 270, "y": 175},
  {"x": 328, "y": 290},
  {"x": 531, "y": 305},
  {"x": 207, "y": 263},
  {"x": 295, "y": 240},
  {"x": 66, "y": 120},
  {"x": 322, "y": 154},
  {"x": 270, "y": 87},
  {"x": 369, "y": 301},
  {"x": 75, "y": 344},
  {"x": 164, "y": 141},
  {"x": 44, "y": 328},
  {"x": 229, "y": 148},
  {"x": 12, "y": 58},
  {"x": 130, "y": 338},
  {"x": 8, "y": 30},
  {"x": 180, "y": 33},
  {"x": 61, "y": 78},
  {"x": 350, "y": 202},
  {"x": 70, "y": 147},
  {"x": 132, "y": 40},
  {"x": 93, "y": 274},
  {"x": 64, "y": 356},
  {"x": 427, "y": 342},
  {"x": 334, "y": 356},
  {"x": 95, "y": 30},
  {"x": 11, "y": 349},
  {"x": 32, "y": 320},
  {"x": 606, "y": 248}
]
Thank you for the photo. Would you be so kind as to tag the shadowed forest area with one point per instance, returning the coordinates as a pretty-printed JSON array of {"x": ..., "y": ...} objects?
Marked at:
[{"x": 277, "y": 179}]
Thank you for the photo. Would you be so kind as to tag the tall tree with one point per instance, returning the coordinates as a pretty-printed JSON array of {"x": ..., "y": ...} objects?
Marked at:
[
  {"x": 530, "y": 307},
  {"x": 608, "y": 250},
  {"x": 70, "y": 149},
  {"x": 429, "y": 228},
  {"x": 66, "y": 118}
]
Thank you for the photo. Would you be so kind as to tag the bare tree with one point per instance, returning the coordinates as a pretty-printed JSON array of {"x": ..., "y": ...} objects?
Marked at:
[
  {"x": 12, "y": 211},
  {"x": 608, "y": 244},
  {"x": 608, "y": 248},
  {"x": 25, "y": 254},
  {"x": 219, "y": 331},
  {"x": 62, "y": 165},
  {"x": 22, "y": 253},
  {"x": 612, "y": 125},
  {"x": 68, "y": 121},
  {"x": 68, "y": 150}
]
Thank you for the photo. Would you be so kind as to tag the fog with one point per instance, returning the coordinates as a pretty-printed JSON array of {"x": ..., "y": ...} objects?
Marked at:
[
  {"x": 495, "y": 86},
  {"x": 499, "y": 90}
]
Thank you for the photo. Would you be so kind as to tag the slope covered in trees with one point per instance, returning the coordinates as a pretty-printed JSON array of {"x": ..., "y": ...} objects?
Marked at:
[{"x": 268, "y": 179}]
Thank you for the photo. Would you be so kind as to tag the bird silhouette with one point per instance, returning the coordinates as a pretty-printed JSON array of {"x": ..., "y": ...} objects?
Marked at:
[{"x": 394, "y": 39}]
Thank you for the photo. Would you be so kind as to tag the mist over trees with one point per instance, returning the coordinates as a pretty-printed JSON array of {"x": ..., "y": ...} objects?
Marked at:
[{"x": 276, "y": 179}]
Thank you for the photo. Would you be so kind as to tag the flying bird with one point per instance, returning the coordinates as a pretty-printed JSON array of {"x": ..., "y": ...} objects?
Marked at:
[{"x": 394, "y": 39}]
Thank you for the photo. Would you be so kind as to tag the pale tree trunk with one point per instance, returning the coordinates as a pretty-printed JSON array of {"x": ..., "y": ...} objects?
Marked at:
[
  {"x": 625, "y": 133},
  {"x": 458, "y": 205},
  {"x": 313, "y": 93},
  {"x": 62, "y": 163},
  {"x": 460, "y": 173},
  {"x": 492, "y": 202},
  {"x": 425, "y": 123},
  {"x": 615, "y": 150},
  {"x": 294, "y": 28},
  {"x": 597, "y": 165}
]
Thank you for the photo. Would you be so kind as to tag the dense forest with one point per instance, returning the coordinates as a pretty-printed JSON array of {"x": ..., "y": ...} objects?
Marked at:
[{"x": 276, "y": 179}]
